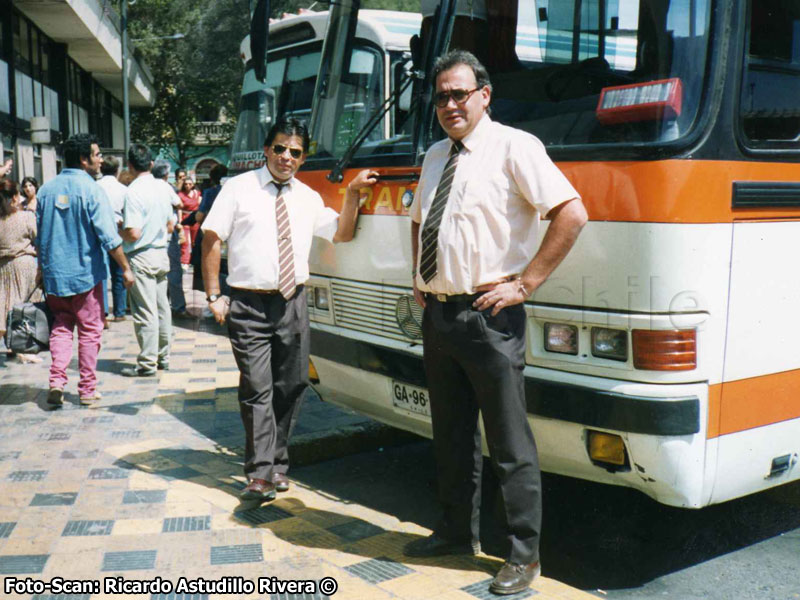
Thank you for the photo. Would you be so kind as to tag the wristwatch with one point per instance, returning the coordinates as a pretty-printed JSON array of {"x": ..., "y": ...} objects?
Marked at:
[{"x": 212, "y": 298}]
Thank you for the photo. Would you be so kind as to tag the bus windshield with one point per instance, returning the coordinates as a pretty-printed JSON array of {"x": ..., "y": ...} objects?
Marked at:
[
  {"x": 576, "y": 72},
  {"x": 287, "y": 91}
]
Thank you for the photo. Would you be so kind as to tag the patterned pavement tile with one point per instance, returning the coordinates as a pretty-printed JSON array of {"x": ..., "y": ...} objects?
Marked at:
[
  {"x": 134, "y": 560},
  {"x": 59, "y": 499},
  {"x": 378, "y": 569},
  {"x": 23, "y": 564},
  {"x": 229, "y": 555},
  {"x": 78, "y": 528}
]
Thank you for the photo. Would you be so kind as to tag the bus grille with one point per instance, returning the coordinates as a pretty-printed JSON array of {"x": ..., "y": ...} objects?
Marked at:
[{"x": 371, "y": 308}]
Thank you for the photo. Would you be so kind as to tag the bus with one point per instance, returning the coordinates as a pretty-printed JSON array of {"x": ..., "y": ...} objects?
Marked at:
[
  {"x": 661, "y": 354},
  {"x": 293, "y": 60}
]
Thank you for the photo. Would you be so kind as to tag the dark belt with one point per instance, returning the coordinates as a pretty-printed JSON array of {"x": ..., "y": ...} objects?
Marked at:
[
  {"x": 249, "y": 291},
  {"x": 298, "y": 289},
  {"x": 463, "y": 298}
]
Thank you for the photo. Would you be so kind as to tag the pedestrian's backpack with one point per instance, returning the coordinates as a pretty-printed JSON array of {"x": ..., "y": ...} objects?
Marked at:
[{"x": 28, "y": 327}]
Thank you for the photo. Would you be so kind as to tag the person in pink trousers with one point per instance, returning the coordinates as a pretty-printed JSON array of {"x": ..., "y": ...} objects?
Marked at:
[{"x": 76, "y": 228}]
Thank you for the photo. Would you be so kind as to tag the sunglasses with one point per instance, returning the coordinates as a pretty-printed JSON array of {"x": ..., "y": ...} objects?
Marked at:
[
  {"x": 442, "y": 99},
  {"x": 280, "y": 149}
]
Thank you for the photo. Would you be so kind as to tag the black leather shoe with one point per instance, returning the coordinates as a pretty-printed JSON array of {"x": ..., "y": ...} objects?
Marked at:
[
  {"x": 435, "y": 545},
  {"x": 513, "y": 578},
  {"x": 258, "y": 489}
]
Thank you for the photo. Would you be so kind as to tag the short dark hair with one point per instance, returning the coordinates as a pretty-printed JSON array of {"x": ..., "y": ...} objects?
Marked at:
[
  {"x": 109, "y": 166},
  {"x": 32, "y": 180},
  {"x": 140, "y": 157},
  {"x": 76, "y": 147},
  {"x": 179, "y": 170},
  {"x": 217, "y": 172},
  {"x": 288, "y": 126},
  {"x": 455, "y": 58},
  {"x": 8, "y": 190},
  {"x": 161, "y": 168}
]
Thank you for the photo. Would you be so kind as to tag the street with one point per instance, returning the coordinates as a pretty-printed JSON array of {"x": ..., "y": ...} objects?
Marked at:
[{"x": 613, "y": 542}]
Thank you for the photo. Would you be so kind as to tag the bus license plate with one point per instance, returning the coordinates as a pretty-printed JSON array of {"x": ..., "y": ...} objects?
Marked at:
[{"x": 411, "y": 398}]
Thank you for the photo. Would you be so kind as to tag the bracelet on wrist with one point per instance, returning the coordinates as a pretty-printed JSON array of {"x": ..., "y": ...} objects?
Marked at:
[{"x": 522, "y": 289}]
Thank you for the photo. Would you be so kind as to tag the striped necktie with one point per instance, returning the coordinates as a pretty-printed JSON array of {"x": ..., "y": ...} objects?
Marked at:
[
  {"x": 430, "y": 231},
  {"x": 286, "y": 279}
]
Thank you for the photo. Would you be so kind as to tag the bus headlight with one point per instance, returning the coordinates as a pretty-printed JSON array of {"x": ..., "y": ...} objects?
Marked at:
[
  {"x": 610, "y": 343},
  {"x": 321, "y": 298},
  {"x": 560, "y": 338}
]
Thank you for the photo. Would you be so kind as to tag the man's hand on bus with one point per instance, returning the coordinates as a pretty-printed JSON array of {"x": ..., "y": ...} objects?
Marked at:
[{"x": 365, "y": 178}]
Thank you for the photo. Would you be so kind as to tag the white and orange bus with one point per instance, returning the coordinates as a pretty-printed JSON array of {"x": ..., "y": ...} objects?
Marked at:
[{"x": 663, "y": 353}]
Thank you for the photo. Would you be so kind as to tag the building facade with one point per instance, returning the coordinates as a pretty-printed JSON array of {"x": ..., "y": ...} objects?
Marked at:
[{"x": 61, "y": 74}]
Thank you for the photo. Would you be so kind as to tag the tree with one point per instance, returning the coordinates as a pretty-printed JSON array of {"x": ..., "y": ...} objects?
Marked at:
[
  {"x": 196, "y": 77},
  {"x": 200, "y": 75}
]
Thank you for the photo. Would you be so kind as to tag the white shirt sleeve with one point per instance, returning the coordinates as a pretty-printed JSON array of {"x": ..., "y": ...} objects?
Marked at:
[
  {"x": 539, "y": 180},
  {"x": 220, "y": 217},
  {"x": 326, "y": 222}
]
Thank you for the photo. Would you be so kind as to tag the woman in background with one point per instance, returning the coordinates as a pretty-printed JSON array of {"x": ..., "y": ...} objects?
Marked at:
[
  {"x": 30, "y": 187},
  {"x": 190, "y": 198},
  {"x": 18, "y": 264}
]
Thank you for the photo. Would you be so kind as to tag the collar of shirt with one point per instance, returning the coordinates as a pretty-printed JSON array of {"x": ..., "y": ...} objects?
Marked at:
[
  {"x": 473, "y": 139},
  {"x": 74, "y": 172},
  {"x": 265, "y": 177}
]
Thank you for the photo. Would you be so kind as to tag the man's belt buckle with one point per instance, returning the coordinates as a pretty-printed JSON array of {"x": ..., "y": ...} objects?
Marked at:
[{"x": 441, "y": 297}]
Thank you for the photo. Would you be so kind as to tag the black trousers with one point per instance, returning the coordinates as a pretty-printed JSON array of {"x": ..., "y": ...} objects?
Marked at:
[
  {"x": 270, "y": 340},
  {"x": 474, "y": 361}
]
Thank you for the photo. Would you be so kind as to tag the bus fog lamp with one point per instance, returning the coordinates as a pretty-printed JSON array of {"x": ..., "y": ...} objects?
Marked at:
[
  {"x": 607, "y": 448},
  {"x": 560, "y": 338},
  {"x": 610, "y": 343},
  {"x": 321, "y": 298}
]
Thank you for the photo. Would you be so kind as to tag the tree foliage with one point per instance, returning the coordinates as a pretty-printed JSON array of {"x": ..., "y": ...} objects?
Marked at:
[{"x": 200, "y": 75}]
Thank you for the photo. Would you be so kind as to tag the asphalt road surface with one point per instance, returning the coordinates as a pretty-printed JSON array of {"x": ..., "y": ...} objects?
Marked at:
[{"x": 614, "y": 542}]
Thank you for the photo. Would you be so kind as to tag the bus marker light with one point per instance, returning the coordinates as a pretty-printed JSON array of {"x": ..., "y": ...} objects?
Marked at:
[
  {"x": 607, "y": 448},
  {"x": 313, "y": 376},
  {"x": 649, "y": 101},
  {"x": 667, "y": 350},
  {"x": 610, "y": 343},
  {"x": 560, "y": 338}
]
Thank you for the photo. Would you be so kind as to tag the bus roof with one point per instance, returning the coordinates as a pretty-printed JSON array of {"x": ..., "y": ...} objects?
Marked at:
[{"x": 389, "y": 29}]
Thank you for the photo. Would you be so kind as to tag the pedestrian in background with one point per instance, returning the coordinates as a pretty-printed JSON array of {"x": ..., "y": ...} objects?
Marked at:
[
  {"x": 215, "y": 175},
  {"x": 18, "y": 263},
  {"x": 76, "y": 228},
  {"x": 268, "y": 219},
  {"x": 29, "y": 189},
  {"x": 190, "y": 199},
  {"x": 148, "y": 220},
  {"x": 116, "y": 197},
  {"x": 177, "y": 298}
]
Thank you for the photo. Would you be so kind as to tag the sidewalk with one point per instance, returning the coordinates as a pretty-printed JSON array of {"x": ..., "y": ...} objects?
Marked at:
[{"x": 145, "y": 486}]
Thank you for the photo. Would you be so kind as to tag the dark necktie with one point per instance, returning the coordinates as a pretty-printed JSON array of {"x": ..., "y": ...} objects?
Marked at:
[
  {"x": 430, "y": 231},
  {"x": 286, "y": 279}
]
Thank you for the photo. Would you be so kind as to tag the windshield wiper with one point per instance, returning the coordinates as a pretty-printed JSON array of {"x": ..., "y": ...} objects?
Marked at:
[{"x": 336, "y": 174}]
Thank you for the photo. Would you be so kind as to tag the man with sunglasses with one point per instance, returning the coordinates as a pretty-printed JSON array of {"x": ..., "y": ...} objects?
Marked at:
[
  {"x": 268, "y": 218},
  {"x": 475, "y": 231}
]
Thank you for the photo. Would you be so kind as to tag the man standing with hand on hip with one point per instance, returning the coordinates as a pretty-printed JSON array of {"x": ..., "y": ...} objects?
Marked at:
[
  {"x": 475, "y": 229},
  {"x": 268, "y": 218}
]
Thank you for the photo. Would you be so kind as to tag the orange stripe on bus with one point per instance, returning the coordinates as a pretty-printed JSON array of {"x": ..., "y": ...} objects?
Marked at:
[
  {"x": 666, "y": 191},
  {"x": 754, "y": 402}
]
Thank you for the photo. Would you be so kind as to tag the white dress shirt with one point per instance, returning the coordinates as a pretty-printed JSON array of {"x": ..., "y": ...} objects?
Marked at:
[
  {"x": 148, "y": 207},
  {"x": 504, "y": 182},
  {"x": 116, "y": 194},
  {"x": 244, "y": 215}
]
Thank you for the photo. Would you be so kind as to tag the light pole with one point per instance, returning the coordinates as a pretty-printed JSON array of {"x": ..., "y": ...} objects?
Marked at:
[{"x": 126, "y": 101}]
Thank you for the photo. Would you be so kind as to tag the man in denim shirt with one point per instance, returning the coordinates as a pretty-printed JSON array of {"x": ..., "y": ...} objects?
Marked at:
[{"x": 76, "y": 228}]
